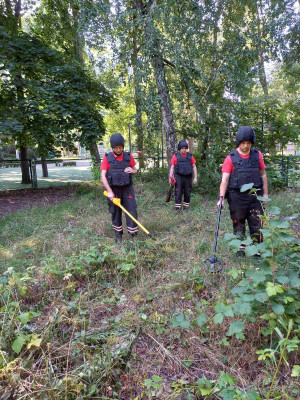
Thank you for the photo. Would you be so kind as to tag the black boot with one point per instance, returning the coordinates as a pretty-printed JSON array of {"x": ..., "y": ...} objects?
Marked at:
[{"x": 118, "y": 239}]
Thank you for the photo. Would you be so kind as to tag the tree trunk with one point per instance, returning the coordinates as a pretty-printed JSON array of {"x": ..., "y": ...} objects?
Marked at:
[
  {"x": 78, "y": 38},
  {"x": 16, "y": 18},
  {"x": 24, "y": 165},
  {"x": 78, "y": 42},
  {"x": 95, "y": 153},
  {"x": 145, "y": 9},
  {"x": 166, "y": 107},
  {"x": 138, "y": 103},
  {"x": 261, "y": 57},
  {"x": 44, "y": 167}
]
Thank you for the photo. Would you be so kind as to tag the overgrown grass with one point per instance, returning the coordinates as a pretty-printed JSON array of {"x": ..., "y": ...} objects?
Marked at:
[{"x": 83, "y": 318}]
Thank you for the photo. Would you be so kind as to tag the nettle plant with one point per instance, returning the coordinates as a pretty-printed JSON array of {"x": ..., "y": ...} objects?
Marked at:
[{"x": 270, "y": 289}]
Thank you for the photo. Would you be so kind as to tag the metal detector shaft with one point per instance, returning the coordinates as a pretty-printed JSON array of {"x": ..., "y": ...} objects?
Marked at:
[{"x": 218, "y": 225}]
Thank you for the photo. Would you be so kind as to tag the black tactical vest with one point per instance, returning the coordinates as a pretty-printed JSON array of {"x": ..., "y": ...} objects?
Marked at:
[
  {"x": 116, "y": 175},
  {"x": 246, "y": 170},
  {"x": 184, "y": 166}
]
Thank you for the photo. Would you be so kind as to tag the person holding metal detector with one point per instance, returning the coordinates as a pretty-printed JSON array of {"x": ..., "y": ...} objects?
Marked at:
[
  {"x": 242, "y": 166},
  {"x": 117, "y": 168},
  {"x": 183, "y": 167}
]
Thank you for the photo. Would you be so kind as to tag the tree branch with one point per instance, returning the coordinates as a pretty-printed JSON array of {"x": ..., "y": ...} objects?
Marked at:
[{"x": 167, "y": 62}]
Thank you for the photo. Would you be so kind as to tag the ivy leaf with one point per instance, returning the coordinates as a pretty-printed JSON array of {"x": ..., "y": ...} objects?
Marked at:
[
  {"x": 227, "y": 394},
  {"x": 25, "y": 317},
  {"x": 223, "y": 308},
  {"x": 218, "y": 318},
  {"x": 157, "y": 378},
  {"x": 296, "y": 370},
  {"x": 285, "y": 237},
  {"x": 19, "y": 342},
  {"x": 202, "y": 319},
  {"x": 235, "y": 327},
  {"x": 246, "y": 186},
  {"x": 284, "y": 280},
  {"x": 252, "y": 395},
  {"x": 280, "y": 224},
  {"x": 262, "y": 297},
  {"x": 242, "y": 308},
  {"x": 247, "y": 297},
  {"x": 250, "y": 250},
  {"x": 294, "y": 279},
  {"x": 235, "y": 243},
  {"x": 256, "y": 276},
  {"x": 261, "y": 198},
  {"x": 180, "y": 322},
  {"x": 235, "y": 272},
  {"x": 272, "y": 289},
  {"x": 274, "y": 210},
  {"x": 229, "y": 236},
  {"x": 266, "y": 232},
  {"x": 247, "y": 241},
  {"x": 35, "y": 341},
  {"x": 278, "y": 308},
  {"x": 266, "y": 253},
  {"x": 227, "y": 378}
]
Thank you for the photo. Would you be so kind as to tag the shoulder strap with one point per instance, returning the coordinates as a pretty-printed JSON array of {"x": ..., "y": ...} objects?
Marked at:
[
  {"x": 110, "y": 157},
  {"x": 126, "y": 156},
  {"x": 234, "y": 156},
  {"x": 189, "y": 156},
  {"x": 254, "y": 154}
]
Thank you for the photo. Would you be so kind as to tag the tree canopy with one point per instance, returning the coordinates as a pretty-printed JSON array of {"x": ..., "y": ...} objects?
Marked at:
[{"x": 192, "y": 69}]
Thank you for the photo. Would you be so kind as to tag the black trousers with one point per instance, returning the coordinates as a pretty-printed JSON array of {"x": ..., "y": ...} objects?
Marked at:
[
  {"x": 244, "y": 206},
  {"x": 183, "y": 187},
  {"x": 126, "y": 194}
]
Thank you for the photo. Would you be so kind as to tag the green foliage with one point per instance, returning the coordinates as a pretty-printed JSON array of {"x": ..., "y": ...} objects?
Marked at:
[
  {"x": 57, "y": 97},
  {"x": 283, "y": 171},
  {"x": 95, "y": 168},
  {"x": 154, "y": 386},
  {"x": 271, "y": 289},
  {"x": 180, "y": 321}
]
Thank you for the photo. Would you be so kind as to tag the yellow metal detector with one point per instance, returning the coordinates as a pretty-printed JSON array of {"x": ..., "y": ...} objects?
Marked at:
[{"x": 117, "y": 202}]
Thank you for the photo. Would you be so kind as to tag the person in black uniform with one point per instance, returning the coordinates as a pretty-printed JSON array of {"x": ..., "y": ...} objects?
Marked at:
[
  {"x": 117, "y": 169},
  {"x": 183, "y": 167},
  {"x": 242, "y": 166}
]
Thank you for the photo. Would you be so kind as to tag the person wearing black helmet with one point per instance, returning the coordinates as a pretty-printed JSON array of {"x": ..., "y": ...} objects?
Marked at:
[
  {"x": 242, "y": 166},
  {"x": 183, "y": 167},
  {"x": 117, "y": 168}
]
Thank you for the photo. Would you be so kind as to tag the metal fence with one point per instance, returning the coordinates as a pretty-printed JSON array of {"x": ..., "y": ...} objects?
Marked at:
[
  {"x": 60, "y": 172},
  {"x": 282, "y": 171}
]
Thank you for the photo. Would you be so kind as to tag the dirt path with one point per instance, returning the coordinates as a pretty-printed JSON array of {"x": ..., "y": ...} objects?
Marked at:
[{"x": 14, "y": 200}]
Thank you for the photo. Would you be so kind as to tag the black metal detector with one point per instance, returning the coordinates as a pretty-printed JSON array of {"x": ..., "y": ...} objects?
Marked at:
[{"x": 214, "y": 264}]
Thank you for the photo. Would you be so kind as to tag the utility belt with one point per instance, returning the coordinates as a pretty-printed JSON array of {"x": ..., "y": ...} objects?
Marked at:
[{"x": 238, "y": 190}]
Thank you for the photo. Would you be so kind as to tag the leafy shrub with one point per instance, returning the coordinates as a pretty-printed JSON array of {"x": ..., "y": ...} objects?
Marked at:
[
  {"x": 155, "y": 175},
  {"x": 282, "y": 171},
  {"x": 95, "y": 169},
  {"x": 209, "y": 175}
]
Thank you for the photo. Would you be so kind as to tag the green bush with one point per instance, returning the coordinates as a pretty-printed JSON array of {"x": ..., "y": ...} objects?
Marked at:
[
  {"x": 95, "y": 169},
  {"x": 282, "y": 171}
]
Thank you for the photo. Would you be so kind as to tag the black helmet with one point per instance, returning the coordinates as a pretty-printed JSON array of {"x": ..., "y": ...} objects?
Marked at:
[
  {"x": 182, "y": 143},
  {"x": 116, "y": 140},
  {"x": 245, "y": 134}
]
